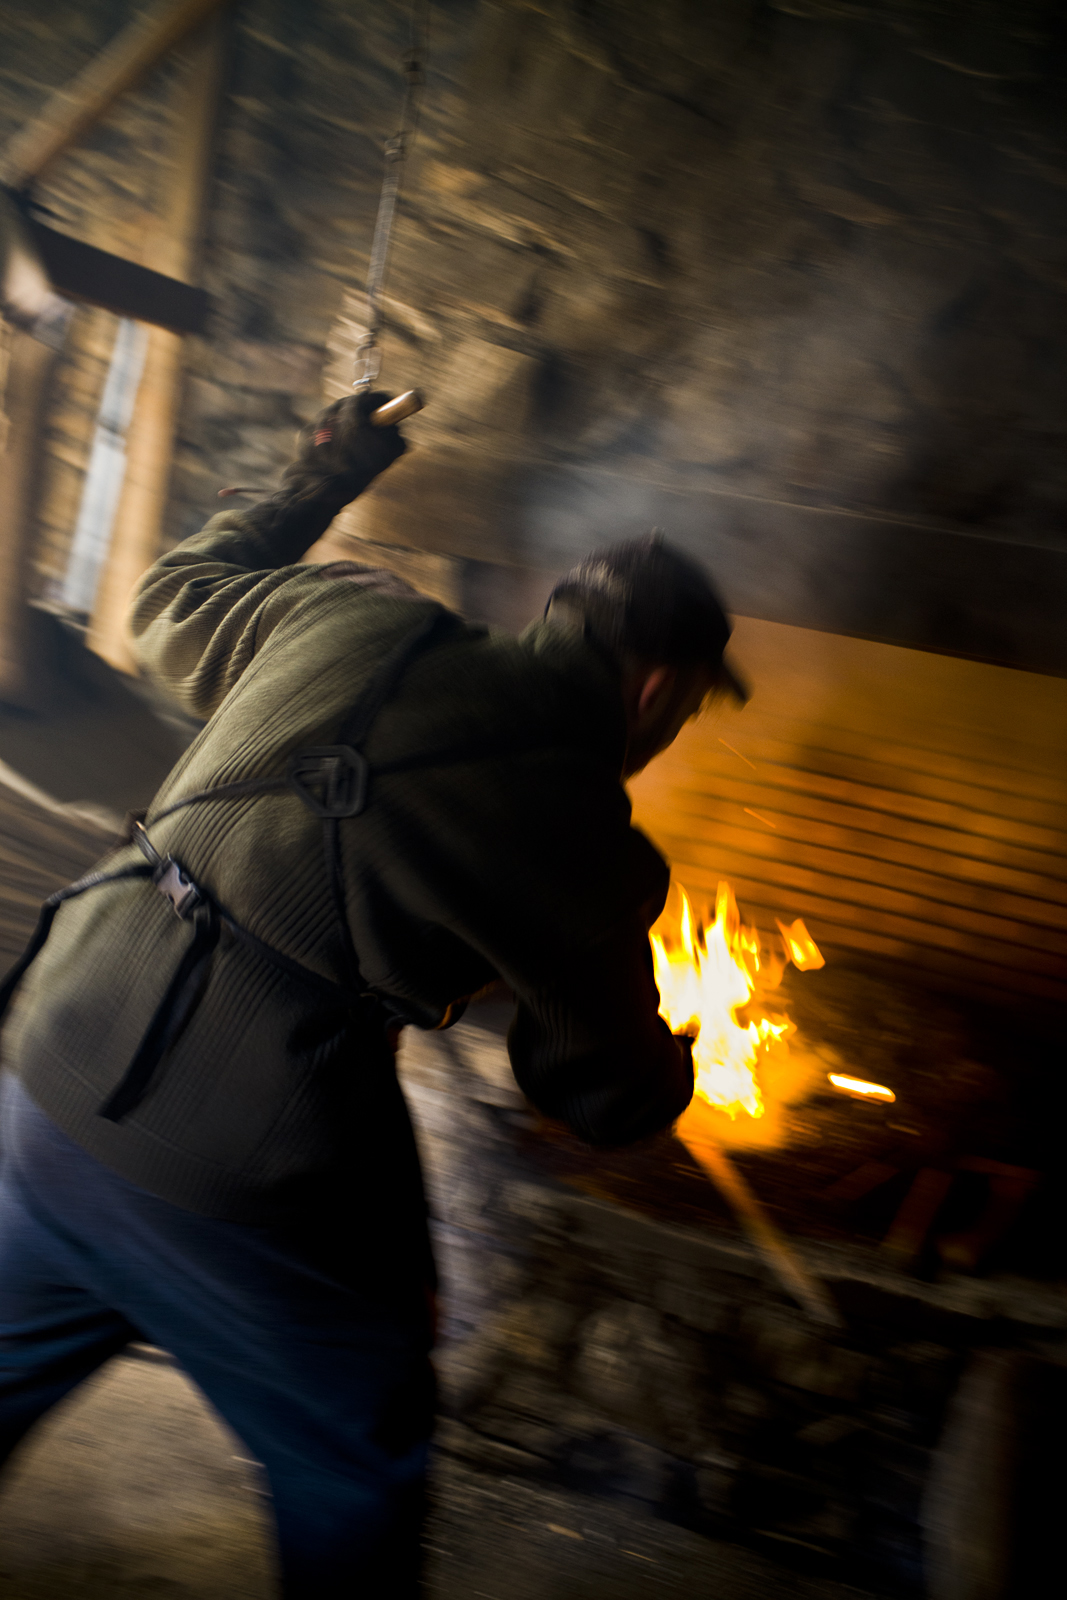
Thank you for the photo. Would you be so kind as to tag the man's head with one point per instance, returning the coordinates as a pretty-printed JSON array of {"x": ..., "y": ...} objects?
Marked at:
[{"x": 654, "y": 613}]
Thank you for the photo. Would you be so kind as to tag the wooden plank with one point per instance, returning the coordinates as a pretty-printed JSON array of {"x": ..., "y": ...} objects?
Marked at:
[
  {"x": 40, "y": 850},
  {"x": 697, "y": 813},
  {"x": 841, "y": 930},
  {"x": 980, "y": 907},
  {"x": 23, "y": 397},
  {"x": 900, "y": 804},
  {"x": 775, "y": 741},
  {"x": 137, "y": 530},
  {"x": 71, "y": 111},
  {"x": 899, "y": 790},
  {"x": 99, "y": 278},
  {"x": 923, "y": 922}
]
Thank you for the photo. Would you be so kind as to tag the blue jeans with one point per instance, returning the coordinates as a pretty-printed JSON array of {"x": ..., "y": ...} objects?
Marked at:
[{"x": 329, "y": 1385}]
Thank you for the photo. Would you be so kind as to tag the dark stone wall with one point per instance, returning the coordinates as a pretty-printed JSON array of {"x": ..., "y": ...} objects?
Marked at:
[{"x": 784, "y": 277}]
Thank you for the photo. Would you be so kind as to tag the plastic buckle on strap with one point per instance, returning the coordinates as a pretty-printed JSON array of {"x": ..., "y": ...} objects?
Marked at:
[
  {"x": 330, "y": 779},
  {"x": 181, "y": 891}
]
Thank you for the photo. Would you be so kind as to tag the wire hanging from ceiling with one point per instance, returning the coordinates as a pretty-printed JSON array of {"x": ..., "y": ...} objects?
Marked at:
[{"x": 368, "y": 353}]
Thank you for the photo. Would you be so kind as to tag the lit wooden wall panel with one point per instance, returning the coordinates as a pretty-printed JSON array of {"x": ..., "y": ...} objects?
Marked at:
[{"x": 907, "y": 805}]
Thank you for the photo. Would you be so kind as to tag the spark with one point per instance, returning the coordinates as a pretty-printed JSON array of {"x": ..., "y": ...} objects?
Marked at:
[
  {"x": 738, "y": 754},
  {"x": 750, "y": 813},
  {"x": 860, "y": 1087}
]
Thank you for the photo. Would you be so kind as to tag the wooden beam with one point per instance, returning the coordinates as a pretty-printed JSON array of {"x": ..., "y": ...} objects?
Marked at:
[
  {"x": 73, "y": 110},
  {"x": 138, "y": 527},
  {"x": 23, "y": 397},
  {"x": 98, "y": 278}
]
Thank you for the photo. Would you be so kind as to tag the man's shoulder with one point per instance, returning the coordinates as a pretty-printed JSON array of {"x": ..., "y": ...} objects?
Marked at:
[{"x": 484, "y": 677}]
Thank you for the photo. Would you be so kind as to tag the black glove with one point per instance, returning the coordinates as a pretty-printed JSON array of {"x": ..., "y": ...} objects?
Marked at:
[{"x": 339, "y": 454}]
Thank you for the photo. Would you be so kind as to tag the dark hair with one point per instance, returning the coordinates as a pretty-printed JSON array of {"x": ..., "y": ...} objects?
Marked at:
[{"x": 647, "y": 601}]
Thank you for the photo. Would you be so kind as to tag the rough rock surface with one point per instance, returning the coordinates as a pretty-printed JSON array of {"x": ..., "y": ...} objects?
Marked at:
[
  {"x": 606, "y": 1337},
  {"x": 783, "y": 276}
]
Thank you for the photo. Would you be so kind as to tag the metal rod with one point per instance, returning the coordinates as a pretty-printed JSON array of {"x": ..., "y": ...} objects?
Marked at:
[
  {"x": 797, "y": 1281},
  {"x": 404, "y": 405}
]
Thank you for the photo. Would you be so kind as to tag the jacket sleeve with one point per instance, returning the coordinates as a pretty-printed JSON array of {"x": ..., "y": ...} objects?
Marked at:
[
  {"x": 592, "y": 1049},
  {"x": 205, "y": 608}
]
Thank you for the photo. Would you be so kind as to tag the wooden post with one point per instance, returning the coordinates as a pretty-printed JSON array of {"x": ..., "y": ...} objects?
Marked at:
[
  {"x": 29, "y": 366},
  {"x": 71, "y": 111},
  {"x": 135, "y": 537}
]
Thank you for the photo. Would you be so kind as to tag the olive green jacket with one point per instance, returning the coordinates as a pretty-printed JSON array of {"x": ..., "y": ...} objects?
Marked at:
[{"x": 515, "y": 859}]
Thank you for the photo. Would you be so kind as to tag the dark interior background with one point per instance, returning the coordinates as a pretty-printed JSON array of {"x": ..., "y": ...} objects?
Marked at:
[{"x": 786, "y": 279}]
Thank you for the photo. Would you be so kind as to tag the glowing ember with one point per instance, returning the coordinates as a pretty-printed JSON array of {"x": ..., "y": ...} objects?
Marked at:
[
  {"x": 706, "y": 977},
  {"x": 800, "y": 947},
  {"x": 860, "y": 1086}
]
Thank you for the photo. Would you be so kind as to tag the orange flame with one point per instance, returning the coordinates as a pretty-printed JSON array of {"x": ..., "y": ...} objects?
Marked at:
[{"x": 706, "y": 978}]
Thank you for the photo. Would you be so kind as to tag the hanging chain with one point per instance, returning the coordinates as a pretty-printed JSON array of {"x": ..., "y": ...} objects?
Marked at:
[{"x": 368, "y": 352}]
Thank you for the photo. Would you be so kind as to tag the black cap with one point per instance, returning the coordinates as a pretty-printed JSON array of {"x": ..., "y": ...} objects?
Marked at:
[{"x": 647, "y": 600}]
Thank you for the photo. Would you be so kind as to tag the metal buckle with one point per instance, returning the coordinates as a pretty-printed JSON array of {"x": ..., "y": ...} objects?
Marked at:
[
  {"x": 338, "y": 773},
  {"x": 181, "y": 891}
]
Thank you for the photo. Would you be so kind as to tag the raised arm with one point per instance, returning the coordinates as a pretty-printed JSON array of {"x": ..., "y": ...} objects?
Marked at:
[{"x": 202, "y": 611}]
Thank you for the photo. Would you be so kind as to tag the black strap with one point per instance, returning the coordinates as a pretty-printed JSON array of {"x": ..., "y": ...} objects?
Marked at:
[
  {"x": 456, "y": 754},
  {"x": 358, "y": 723},
  {"x": 332, "y": 781},
  {"x": 351, "y": 736},
  {"x": 227, "y": 791},
  {"x": 294, "y": 969},
  {"x": 171, "y": 1015},
  {"x": 186, "y": 896}
]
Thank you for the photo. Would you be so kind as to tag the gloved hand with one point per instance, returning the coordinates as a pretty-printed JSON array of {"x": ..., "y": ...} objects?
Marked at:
[{"x": 340, "y": 453}]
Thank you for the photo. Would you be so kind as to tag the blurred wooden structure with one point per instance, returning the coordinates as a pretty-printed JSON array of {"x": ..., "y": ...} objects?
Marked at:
[
  {"x": 26, "y": 367},
  {"x": 125, "y": 288},
  {"x": 73, "y": 110},
  {"x": 135, "y": 537}
]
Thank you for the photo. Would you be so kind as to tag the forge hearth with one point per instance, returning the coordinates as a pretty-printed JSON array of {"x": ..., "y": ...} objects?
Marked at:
[
  {"x": 978, "y": 1099},
  {"x": 608, "y": 1326}
]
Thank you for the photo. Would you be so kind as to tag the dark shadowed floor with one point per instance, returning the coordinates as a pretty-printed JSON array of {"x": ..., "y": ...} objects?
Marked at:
[{"x": 134, "y": 1490}]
